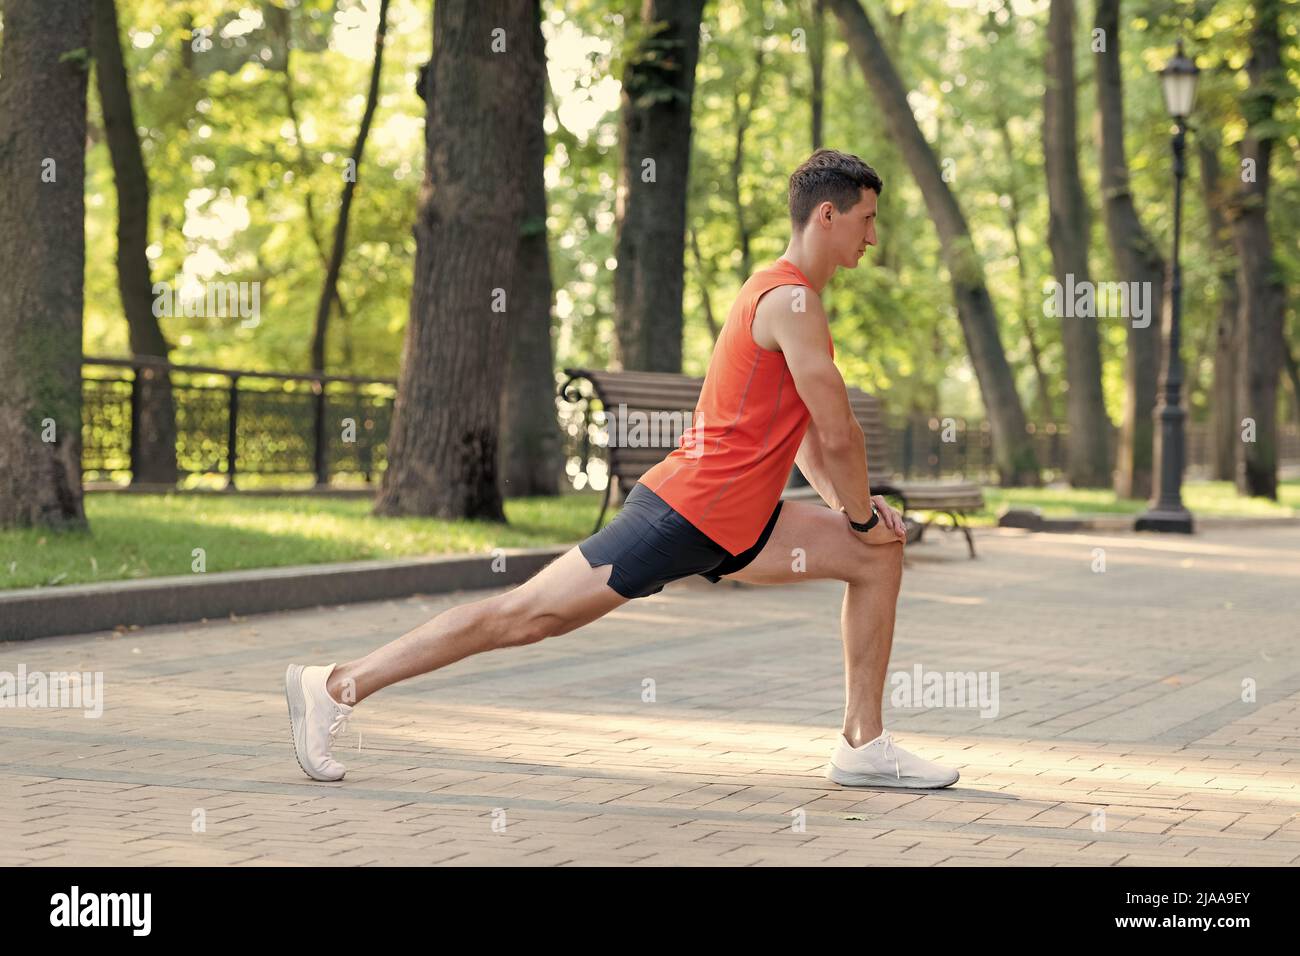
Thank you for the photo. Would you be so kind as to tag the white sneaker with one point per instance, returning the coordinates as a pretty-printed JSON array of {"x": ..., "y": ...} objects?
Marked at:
[
  {"x": 315, "y": 719},
  {"x": 880, "y": 763}
]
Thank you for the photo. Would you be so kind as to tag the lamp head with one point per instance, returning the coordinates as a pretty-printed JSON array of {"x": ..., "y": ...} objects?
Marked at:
[{"x": 1178, "y": 79}]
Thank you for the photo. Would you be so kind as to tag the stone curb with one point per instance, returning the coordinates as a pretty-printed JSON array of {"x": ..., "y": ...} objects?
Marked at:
[{"x": 81, "y": 608}]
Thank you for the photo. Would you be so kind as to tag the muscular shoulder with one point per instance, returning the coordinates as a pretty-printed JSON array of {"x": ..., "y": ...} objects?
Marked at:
[{"x": 783, "y": 307}]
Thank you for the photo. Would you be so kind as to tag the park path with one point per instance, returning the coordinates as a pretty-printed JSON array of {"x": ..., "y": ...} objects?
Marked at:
[{"x": 1121, "y": 735}]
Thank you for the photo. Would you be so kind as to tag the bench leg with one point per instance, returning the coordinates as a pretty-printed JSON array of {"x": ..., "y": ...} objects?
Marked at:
[
  {"x": 910, "y": 523},
  {"x": 957, "y": 523}
]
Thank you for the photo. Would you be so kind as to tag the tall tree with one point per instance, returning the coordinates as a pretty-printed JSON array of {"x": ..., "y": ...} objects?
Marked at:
[
  {"x": 44, "y": 62},
  {"x": 1137, "y": 260},
  {"x": 743, "y": 111},
  {"x": 1012, "y": 446},
  {"x": 329, "y": 289},
  {"x": 705, "y": 283},
  {"x": 1088, "y": 444},
  {"x": 154, "y": 429},
  {"x": 1014, "y": 187},
  {"x": 279, "y": 22},
  {"x": 531, "y": 454},
  {"x": 1292, "y": 366},
  {"x": 817, "y": 62},
  {"x": 1224, "y": 426},
  {"x": 1263, "y": 296},
  {"x": 443, "y": 444},
  {"x": 658, "y": 85}
]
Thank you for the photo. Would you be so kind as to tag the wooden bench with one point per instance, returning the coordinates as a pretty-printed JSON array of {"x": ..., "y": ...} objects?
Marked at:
[{"x": 661, "y": 405}]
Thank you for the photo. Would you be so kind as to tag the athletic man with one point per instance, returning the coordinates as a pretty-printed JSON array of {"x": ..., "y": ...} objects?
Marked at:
[{"x": 772, "y": 398}]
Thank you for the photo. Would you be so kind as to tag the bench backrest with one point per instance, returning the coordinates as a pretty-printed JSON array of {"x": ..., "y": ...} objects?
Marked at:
[{"x": 661, "y": 403}]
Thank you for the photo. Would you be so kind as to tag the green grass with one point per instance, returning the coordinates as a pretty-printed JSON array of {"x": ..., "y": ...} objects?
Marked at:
[
  {"x": 1202, "y": 498},
  {"x": 138, "y": 536}
]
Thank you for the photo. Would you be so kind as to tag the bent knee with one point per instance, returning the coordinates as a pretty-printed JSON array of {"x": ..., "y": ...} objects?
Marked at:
[{"x": 874, "y": 564}]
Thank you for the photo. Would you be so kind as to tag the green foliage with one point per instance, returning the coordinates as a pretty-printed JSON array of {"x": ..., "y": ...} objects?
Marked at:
[{"x": 222, "y": 151}]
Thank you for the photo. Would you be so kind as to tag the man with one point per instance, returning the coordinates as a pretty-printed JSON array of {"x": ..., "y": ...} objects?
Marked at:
[{"x": 772, "y": 398}]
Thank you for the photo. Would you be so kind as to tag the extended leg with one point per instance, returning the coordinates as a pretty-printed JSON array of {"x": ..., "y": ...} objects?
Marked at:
[{"x": 564, "y": 595}]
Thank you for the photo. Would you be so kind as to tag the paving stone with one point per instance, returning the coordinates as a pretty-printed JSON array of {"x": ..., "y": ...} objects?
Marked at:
[{"x": 1117, "y": 692}]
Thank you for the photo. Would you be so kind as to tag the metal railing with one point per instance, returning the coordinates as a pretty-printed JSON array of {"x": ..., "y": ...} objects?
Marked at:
[
  {"x": 232, "y": 422},
  {"x": 238, "y": 421}
]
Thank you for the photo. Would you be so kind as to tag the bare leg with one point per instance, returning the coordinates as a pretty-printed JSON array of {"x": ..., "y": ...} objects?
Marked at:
[
  {"x": 564, "y": 595},
  {"x": 873, "y": 574}
]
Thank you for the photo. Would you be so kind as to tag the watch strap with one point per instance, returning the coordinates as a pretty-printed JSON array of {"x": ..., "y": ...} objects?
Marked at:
[{"x": 861, "y": 527}]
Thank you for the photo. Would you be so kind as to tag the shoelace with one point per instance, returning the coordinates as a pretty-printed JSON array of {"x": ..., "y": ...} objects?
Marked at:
[
  {"x": 892, "y": 754},
  {"x": 339, "y": 725}
]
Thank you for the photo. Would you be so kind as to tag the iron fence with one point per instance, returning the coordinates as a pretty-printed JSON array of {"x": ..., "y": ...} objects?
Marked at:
[{"x": 239, "y": 421}]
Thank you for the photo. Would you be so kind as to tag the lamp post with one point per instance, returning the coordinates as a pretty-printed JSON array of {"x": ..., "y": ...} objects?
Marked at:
[{"x": 1166, "y": 512}]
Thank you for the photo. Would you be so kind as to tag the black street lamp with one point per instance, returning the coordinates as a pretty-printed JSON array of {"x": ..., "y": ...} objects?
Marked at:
[{"x": 1167, "y": 513}]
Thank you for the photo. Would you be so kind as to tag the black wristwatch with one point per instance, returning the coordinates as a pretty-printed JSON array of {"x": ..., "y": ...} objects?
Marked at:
[{"x": 858, "y": 526}]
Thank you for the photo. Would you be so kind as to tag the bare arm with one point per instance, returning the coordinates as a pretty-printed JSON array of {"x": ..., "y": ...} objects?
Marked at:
[
  {"x": 837, "y": 451},
  {"x": 812, "y": 465}
]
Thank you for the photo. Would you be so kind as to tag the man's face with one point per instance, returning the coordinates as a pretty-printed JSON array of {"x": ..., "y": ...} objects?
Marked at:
[{"x": 853, "y": 231}]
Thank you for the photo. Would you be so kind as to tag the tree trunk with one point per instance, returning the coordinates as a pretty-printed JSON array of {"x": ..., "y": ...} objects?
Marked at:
[
  {"x": 280, "y": 25},
  {"x": 531, "y": 454},
  {"x": 1224, "y": 424},
  {"x": 1137, "y": 260},
  {"x": 1293, "y": 374},
  {"x": 706, "y": 282},
  {"x": 1088, "y": 445},
  {"x": 743, "y": 114},
  {"x": 154, "y": 443},
  {"x": 1045, "y": 408},
  {"x": 44, "y": 61},
  {"x": 443, "y": 446},
  {"x": 1012, "y": 447},
  {"x": 817, "y": 63},
  {"x": 329, "y": 291},
  {"x": 1259, "y": 278},
  {"x": 658, "y": 83}
]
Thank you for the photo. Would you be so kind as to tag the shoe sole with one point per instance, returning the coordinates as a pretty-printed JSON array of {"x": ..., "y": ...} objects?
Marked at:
[
  {"x": 846, "y": 779},
  {"x": 298, "y": 717}
]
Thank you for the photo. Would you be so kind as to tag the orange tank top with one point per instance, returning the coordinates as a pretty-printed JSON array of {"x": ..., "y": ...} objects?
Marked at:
[{"x": 728, "y": 470}]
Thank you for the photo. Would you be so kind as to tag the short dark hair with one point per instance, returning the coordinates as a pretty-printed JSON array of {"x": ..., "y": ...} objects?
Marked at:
[{"x": 830, "y": 175}]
